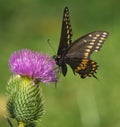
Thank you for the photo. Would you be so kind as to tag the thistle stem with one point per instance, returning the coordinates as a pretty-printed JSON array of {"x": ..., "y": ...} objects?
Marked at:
[{"x": 21, "y": 124}]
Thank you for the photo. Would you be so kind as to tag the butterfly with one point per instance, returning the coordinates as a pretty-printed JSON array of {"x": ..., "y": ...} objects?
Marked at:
[{"x": 77, "y": 54}]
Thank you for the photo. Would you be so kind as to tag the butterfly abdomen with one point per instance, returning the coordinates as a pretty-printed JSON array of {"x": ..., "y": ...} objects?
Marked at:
[{"x": 86, "y": 68}]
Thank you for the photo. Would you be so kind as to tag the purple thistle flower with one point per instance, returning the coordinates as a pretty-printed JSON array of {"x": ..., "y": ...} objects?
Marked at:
[{"x": 34, "y": 65}]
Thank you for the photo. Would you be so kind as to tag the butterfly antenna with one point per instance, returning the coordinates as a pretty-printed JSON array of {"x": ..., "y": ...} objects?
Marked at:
[{"x": 51, "y": 45}]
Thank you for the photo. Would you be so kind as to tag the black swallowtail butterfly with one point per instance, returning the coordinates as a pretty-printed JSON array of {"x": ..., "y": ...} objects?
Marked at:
[{"x": 77, "y": 54}]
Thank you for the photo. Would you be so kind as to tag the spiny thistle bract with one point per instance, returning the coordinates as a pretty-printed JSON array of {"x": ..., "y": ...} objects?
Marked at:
[{"x": 25, "y": 102}]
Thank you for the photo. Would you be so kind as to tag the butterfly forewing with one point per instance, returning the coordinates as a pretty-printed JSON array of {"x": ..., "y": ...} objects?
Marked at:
[
  {"x": 66, "y": 33},
  {"x": 87, "y": 44}
]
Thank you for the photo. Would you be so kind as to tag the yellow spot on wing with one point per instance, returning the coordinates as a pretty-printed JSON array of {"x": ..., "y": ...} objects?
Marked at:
[
  {"x": 87, "y": 50},
  {"x": 90, "y": 46},
  {"x": 97, "y": 35},
  {"x": 100, "y": 41},
  {"x": 102, "y": 38},
  {"x": 105, "y": 33},
  {"x": 90, "y": 35}
]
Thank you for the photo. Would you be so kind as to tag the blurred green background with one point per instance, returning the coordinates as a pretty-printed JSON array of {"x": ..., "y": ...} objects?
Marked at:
[{"x": 75, "y": 102}]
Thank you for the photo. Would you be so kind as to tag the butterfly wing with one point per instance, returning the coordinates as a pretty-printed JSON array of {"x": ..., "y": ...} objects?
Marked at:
[
  {"x": 87, "y": 44},
  {"x": 66, "y": 33},
  {"x": 78, "y": 54},
  {"x": 65, "y": 40},
  {"x": 84, "y": 67}
]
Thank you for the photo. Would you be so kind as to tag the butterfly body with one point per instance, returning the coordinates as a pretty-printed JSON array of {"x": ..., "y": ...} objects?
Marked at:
[
  {"x": 77, "y": 54},
  {"x": 60, "y": 61}
]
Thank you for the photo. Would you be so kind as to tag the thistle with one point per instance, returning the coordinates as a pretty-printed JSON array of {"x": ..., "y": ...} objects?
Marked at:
[
  {"x": 25, "y": 100},
  {"x": 34, "y": 65}
]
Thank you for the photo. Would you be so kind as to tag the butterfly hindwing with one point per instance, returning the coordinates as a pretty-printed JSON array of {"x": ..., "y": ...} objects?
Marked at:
[{"x": 84, "y": 67}]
